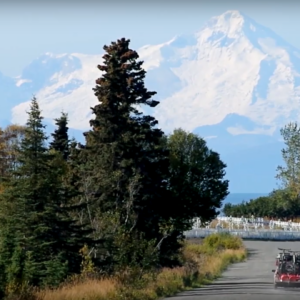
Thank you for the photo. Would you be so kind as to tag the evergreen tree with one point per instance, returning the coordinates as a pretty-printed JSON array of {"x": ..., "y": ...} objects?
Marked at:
[
  {"x": 60, "y": 136},
  {"x": 126, "y": 165},
  {"x": 34, "y": 214}
]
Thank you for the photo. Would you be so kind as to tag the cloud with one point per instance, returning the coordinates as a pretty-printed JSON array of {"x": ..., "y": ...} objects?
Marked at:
[{"x": 258, "y": 130}]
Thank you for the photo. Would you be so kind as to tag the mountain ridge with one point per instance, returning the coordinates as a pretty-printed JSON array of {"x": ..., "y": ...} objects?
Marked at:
[{"x": 233, "y": 81}]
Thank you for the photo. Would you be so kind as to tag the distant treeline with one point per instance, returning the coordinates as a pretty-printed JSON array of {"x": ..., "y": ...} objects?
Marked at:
[
  {"x": 285, "y": 201},
  {"x": 277, "y": 205}
]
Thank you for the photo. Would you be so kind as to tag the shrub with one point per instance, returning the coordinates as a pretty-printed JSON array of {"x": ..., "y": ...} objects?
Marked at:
[{"x": 222, "y": 241}]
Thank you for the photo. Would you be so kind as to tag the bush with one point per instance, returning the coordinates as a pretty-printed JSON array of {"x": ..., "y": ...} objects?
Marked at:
[{"x": 222, "y": 241}]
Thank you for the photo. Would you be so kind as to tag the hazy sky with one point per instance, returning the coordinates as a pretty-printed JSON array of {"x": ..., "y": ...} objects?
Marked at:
[{"x": 33, "y": 27}]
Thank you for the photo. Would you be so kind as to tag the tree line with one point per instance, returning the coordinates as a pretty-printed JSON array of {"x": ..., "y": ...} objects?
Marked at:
[
  {"x": 121, "y": 201},
  {"x": 283, "y": 202}
]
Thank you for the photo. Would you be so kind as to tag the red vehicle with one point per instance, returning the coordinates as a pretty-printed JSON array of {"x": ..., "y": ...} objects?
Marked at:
[{"x": 287, "y": 273}]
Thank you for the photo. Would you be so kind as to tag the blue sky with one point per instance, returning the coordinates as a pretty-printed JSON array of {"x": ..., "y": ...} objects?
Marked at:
[{"x": 31, "y": 28}]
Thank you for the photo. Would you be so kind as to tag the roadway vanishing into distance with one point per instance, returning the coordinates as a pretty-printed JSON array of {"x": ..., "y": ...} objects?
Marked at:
[{"x": 249, "y": 280}]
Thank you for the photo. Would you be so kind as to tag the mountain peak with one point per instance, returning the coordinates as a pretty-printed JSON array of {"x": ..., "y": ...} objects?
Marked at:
[
  {"x": 243, "y": 61},
  {"x": 232, "y": 23},
  {"x": 230, "y": 14},
  {"x": 234, "y": 80}
]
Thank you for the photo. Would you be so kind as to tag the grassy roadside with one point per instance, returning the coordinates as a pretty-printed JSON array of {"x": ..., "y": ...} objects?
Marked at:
[{"x": 202, "y": 263}]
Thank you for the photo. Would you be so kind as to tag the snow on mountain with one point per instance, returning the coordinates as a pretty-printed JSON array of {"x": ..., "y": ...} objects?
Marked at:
[
  {"x": 235, "y": 82},
  {"x": 60, "y": 83},
  {"x": 231, "y": 66}
]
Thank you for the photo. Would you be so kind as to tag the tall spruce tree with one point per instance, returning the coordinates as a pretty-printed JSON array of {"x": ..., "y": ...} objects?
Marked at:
[
  {"x": 41, "y": 242},
  {"x": 60, "y": 147},
  {"x": 65, "y": 160},
  {"x": 61, "y": 142},
  {"x": 125, "y": 163}
]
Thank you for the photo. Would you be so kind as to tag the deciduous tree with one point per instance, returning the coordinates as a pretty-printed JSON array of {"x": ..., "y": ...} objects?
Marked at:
[
  {"x": 10, "y": 140},
  {"x": 196, "y": 178},
  {"x": 289, "y": 175}
]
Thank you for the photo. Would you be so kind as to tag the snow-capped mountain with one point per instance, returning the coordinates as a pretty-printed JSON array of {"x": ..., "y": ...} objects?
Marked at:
[{"x": 234, "y": 82}]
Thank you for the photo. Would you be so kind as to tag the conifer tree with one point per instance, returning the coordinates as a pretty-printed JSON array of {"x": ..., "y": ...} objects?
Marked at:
[
  {"x": 125, "y": 163},
  {"x": 60, "y": 136},
  {"x": 60, "y": 148},
  {"x": 44, "y": 239}
]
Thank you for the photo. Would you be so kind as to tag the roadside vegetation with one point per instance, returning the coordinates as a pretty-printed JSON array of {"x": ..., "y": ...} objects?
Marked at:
[
  {"x": 201, "y": 263},
  {"x": 284, "y": 202},
  {"x": 83, "y": 219}
]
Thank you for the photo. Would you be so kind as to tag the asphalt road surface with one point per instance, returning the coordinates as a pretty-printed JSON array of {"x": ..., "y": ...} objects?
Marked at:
[{"x": 250, "y": 280}]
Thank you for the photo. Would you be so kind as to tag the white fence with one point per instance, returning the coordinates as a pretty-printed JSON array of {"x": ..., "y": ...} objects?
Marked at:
[
  {"x": 251, "y": 235},
  {"x": 248, "y": 228},
  {"x": 248, "y": 224}
]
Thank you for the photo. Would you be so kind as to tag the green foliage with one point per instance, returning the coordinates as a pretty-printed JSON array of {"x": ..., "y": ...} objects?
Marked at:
[
  {"x": 118, "y": 204},
  {"x": 124, "y": 163},
  {"x": 60, "y": 142},
  {"x": 15, "y": 271},
  {"x": 197, "y": 270},
  {"x": 87, "y": 265},
  {"x": 10, "y": 138},
  {"x": 196, "y": 178},
  {"x": 137, "y": 257},
  {"x": 222, "y": 241},
  {"x": 35, "y": 214},
  {"x": 57, "y": 270},
  {"x": 279, "y": 204},
  {"x": 290, "y": 174},
  {"x": 283, "y": 202},
  {"x": 215, "y": 243}
]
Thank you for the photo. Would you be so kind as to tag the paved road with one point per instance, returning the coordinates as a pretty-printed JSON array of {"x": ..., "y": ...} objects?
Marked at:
[{"x": 250, "y": 280}]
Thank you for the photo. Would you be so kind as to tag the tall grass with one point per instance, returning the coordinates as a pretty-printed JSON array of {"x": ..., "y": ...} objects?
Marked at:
[
  {"x": 90, "y": 289},
  {"x": 202, "y": 263}
]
